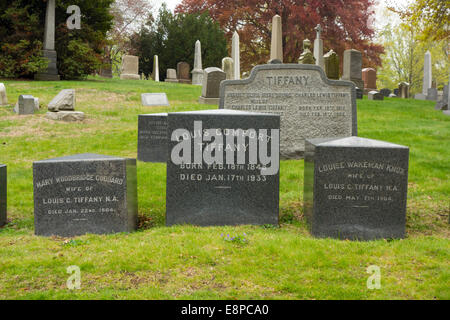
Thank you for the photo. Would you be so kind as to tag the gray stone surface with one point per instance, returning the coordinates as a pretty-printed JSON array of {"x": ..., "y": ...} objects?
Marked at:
[
  {"x": 171, "y": 75},
  {"x": 84, "y": 193},
  {"x": 130, "y": 68},
  {"x": 236, "y": 55},
  {"x": 67, "y": 116},
  {"x": 3, "y": 193},
  {"x": 420, "y": 96},
  {"x": 375, "y": 95},
  {"x": 427, "y": 74},
  {"x": 36, "y": 104},
  {"x": 446, "y": 112},
  {"x": 3, "y": 97},
  {"x": 352, "y": 70},
  {"x": 385, "y": 92},
  {"x": 197, "y": 72},
  {"x": 211, "y": 187},
  {"x": 212, "y": 78},
  {"x": 65, "y": 100},
  {"x": 310, "y": 105},
  {"x": 331, "y": 63},
  {"x": 318, "y": 47},
  {"x": 276, "y": 45},
  {"x": 155, "y": 73},
  {"x": 152, "y": 137},
  {"x": 228, "y": 68},
  {"x": 432, "y": 94},
  {"x": 392, "y": 95},
  {"x": 25, "y": 105},
  {"x": 359, "y": 93},
  {"x": 154, "y": 99},
  {"x": 183, "y": 70},
  {"x": 355, "y": 188},
  {"x": 442, "y": 104}
]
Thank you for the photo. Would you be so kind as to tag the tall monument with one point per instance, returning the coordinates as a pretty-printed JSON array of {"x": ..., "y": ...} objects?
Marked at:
[
  {"x": 276, "y": 47},
  {"x": 197, "y": 72},
  {"x": 236, "y": 56},
  {"x": 318, "y": 48},
  {"x": 51, "y": 73}
]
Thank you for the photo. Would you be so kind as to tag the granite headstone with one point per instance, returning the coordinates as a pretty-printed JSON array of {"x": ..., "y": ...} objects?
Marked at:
[
  {"x": 183, "y": 73},
  {"x": 154, "y": 99},
  {"x": 25, "y": 105},
  {"x": 171, "y": 75},
  {"x": 375, "y": 95},
  {"x": 352, "y": 70},
  {"x": 130, "y": 68},
  {"x": 211, "y": 85},
  {"x": 355, "y": 188},
  {"x": 331, "y": 61},
  {"x": 152, "y": 137},
  {"x": 385, "y": 92}
]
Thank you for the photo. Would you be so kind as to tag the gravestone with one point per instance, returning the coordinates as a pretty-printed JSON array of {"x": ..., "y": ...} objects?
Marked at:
[
  {"x": 106, "y": 71},
  {"x": 25, "y": 105},
  {"x": 197, "y": 72},
  {"x": 67, "y": 116},
  {"x": 155, "y": 73},
  {"x": 442, "y": 104},
  {"x": 385, "y": 92},
  {"x": 152, "y": 137},
  {"x": 427, "y": 74},
  {"x": 3, "y": 97},
  {"x": 211, "y": 85},
  {"x": 276, "y": 45},
  {"x": 51, "y": 71},
  {"x": 355, "y": 188},
  {"x": 359, "y": 93},
  {"x": 318, "y": 47},
  {"x": 306, "y": 57},
  {"x": 230, "y": 180},
  {"x": 353, "y": 67},
  {"x": 432, "y": 94},
  {"x": 171, "y": 75},
  {"x": 228, "y": 68},
  {"x": 236, "y": 55},
  {"x": 369, "y": 76},
  {"x": 85, "y": 193},
  {"x": 130, "y": 68},
  {"x": 375, "y": 95},
  {"x": 183, "y": 70},
  {"x": 64, "y": 100},
  {"x": 310, "y": 105},
  {"x": 154, "y": 99},
  {"x": 331, "y": 62},
  {"x": 3, "y": 194},
  {"x": 392, "y": 95}
]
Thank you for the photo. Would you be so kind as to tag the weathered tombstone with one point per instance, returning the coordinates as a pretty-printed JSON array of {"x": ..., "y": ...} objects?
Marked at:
[
  {"x": 369, "y": 76},
  {"x": 197, "y": 72},
  {"x": 3, "y": 97},
  {"x": 432, "y": 94},
  {"x": 64, "y": 100},
  {"x": 171, "y": 75},
  {"x": 385, "y": 92},
  {"x": 355, "y": 188},
  {"x": 306, "y": 57},
  {"x": 231, "y": 180},
  {"x": 276, "y": 46},
  {"x": 25, "y": 105},
  {"x": 3, "y": 194},
  {"x": 183, "y": 70},
  {"x": 36, "y": 103},
  {"x": 51, "y": 72},
  {"x": 442, "y": 104},
  {"x": 310, "y": 105},
  {"x": 318, "y": 47},
  {"x": 211, "y": 85},
  {"x": 154, "y": 99},
  {"x": 403, "y": 90},
  {"x": 152, "y": 137},
  {"x": 106, "y": 71},
  {"x": 228, "y": 68},
  {"x": 85, "y": 193},
  {"x": 67, "y": 116},
  {"x": 236, "y": 55},
  {"x": 359, "y": 93},
  {"x": 155, "y": 73},
  {"x": 130, "y": 68},
  {"x": 331, "y": 62},
  {"x": 353, "y": 67},
  {"x": 375, "y": 95}
]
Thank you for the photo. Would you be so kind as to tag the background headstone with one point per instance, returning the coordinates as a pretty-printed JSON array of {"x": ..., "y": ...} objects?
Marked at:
[
  {"x": 331, "y": 62},
  {"x": 155, "y": 73},
  {"x": 355, "y": 188},
  {"x": 307, "y": 56},
  {"x": 276, "y": 46},
  {"x": 318, "y": 47},
  {"x": 197, "y": 72},
  {"x": 375, "y": 95},
  {"x": 359, "y": 93},
  {"x": 3, "y": 193},
  {"x": 353, "y": 67},
  {"x": 154, "y": 99},
  {"x": 152, "y": 137},
  {"x": 171, "y": 75},
  {"x": 432, "y": 94},
  {"x": 442, "y": 104},
  {"x": 236, "y": 55},
  {"x": 25, "y": 105},
  {"x": 3, "y": 96},
  {"x": 228, "y": 68},
  {"x": 84, "y": 193},
  {"x": 427, "y": 74},
  {"x": 106, "y": 71},
  {"x": 212, "y": 78},
  {"x": 385, "y": 92},
  {"x": 183, "y": 70},
  {"x": 64, "y": 100},
  {"x": 369, "y": 76},
  {"x": 206, "y": 194},
  {"x": 130, "y": 68},
  {"x": 310, "y": 105}
]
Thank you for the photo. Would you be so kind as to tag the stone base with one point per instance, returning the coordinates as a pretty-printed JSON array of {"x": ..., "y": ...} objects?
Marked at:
[
  {"x": 171, "y": 80},
  {"x": 46, "y": 77},
  {"x": 203, "y": 100},
  {"x": 420, "y": 96},
  {"x": 127, "y": 76},
  {"x": 367, "y": 90},
  {"x": 68, "y": 116},
  {"x": 51, "y": 73},
  {"x": 197, "y": 77},
  {"x": 185, "y": 81},
  {"x": 358, "y": 82}
]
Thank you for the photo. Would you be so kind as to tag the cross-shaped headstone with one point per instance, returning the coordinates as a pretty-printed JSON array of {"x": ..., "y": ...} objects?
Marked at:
[{"x": 318, "y": 29}]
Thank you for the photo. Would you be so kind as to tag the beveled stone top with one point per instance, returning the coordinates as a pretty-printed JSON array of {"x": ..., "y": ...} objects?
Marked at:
[
  {"x": 354, "y": 142},
  {"x": 224, "y": 112},
  {"x": 153, "y": 114},
  {"x": 82, "y": 157}
]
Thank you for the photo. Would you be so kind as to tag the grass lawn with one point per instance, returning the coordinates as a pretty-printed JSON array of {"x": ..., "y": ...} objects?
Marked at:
[{"x": 187, "y": 262}]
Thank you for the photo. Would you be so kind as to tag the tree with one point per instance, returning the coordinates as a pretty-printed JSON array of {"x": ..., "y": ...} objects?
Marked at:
[
  {"x": 172, "y": 38},
  {"x": 345, "y": 25}
]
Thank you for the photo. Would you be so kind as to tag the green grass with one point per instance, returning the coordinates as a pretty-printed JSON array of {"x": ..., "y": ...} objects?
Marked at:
[{"x": 188, "y": 262}]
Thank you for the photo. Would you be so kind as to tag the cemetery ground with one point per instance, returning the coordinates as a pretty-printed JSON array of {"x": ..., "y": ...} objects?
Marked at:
[{"x": 187, "y": 262}]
